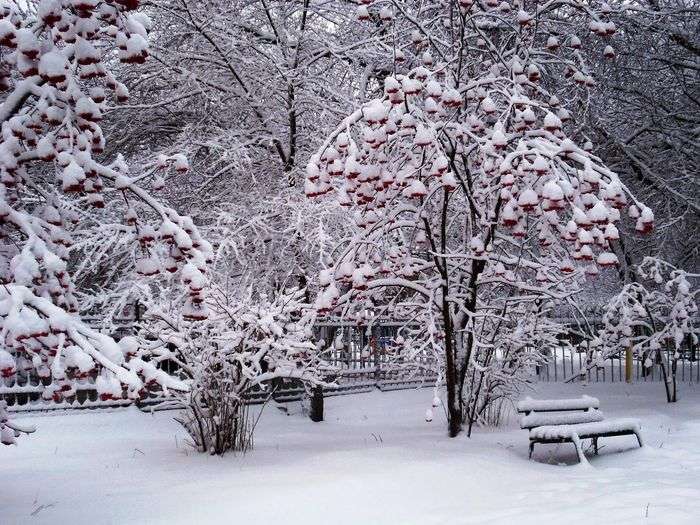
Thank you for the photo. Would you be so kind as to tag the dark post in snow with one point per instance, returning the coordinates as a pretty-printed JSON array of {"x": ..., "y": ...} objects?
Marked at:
[
  {"x": 376, "y": 353},
  {"x": 316, "y": 408}
]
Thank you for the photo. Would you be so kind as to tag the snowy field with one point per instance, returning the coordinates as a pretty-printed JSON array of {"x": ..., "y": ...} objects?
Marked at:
[{"x": 374, "y": 461}]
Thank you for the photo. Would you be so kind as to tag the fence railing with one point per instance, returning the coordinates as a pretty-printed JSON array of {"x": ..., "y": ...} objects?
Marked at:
[
  {"x": 566, "y": 363},
  {"x": 26, "y": 391}
]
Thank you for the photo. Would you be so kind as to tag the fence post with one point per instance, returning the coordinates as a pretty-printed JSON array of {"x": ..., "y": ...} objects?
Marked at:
[
  {"x": 628, "y": 364},
  {"x": 376, "y": 350},
  {"x": 316, "y": 409}
]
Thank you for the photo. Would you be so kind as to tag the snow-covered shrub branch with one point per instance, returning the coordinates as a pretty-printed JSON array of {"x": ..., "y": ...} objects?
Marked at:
[{"x": 281, "y": 240}]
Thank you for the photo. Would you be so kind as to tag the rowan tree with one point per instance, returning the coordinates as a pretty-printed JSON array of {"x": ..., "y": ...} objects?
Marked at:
[
  {"x": 478, "y": 205},
  {"x": 56, "y": 184}
]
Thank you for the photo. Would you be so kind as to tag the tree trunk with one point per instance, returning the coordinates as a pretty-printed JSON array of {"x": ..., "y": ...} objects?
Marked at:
[
  {"x": 666, "y": 378},
  {"x": 674, "y": 369},
  {"x": 628, "y": 364},
  {"x": 454, "y": 405},
  {"x": 454, "y": 413}
]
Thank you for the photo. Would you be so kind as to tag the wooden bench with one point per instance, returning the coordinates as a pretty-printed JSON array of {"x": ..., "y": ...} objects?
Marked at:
[{"x": 571, "y": 421}]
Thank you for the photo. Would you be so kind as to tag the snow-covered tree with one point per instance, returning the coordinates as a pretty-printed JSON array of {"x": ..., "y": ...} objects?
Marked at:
[
  {"x": 241, "y": 85},
  {"x": 278, "y": 242},
  {"x": 246, "y": 85},
  {"x": 654, "y": 317},
  {"x": 643, "y": 121},
  {"x": 477, "y": 203},
  {"x": 244, "y": 88},
  {"x": 56, "y": 185}
]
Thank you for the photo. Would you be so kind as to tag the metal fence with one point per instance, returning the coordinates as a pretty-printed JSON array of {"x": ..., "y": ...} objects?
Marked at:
[
  {"x": 26, "y": 393},
  {"x": 572, "y": 363},
  {"x": 365, "y": 361}
]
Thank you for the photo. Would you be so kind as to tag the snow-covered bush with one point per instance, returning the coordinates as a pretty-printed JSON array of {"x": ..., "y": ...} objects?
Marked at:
[
  {"x": 247, "y": 344},
  {"x": 653, "y": 317},
  {"x": 55, "y": 184},
  {"x": 477, "y": 202}
]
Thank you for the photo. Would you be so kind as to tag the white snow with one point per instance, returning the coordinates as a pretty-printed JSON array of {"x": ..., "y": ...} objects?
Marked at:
[
  {"x": 551, "y": 122},
  {"x": 375, "y": 460},
  {"x": 607, "y": 259},
  {"x": 53, "y": 65}
]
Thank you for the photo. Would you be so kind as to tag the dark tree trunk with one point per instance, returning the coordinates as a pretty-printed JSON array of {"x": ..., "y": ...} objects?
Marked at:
[{"x": 454, "y": 400}]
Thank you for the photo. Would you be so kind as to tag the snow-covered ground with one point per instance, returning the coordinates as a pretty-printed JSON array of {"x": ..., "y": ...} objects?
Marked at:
[{"x": 373, "y": 461}]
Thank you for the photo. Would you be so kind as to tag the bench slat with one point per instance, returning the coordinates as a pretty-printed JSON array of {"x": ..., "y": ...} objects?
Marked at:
[
  {"x": 557, "y": 405},
  {"x": 585, "y": 430},
  {"x": 538, "y": 419}
]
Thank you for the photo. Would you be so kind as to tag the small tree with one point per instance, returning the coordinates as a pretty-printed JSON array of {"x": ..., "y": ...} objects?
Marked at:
[
  {"x": 474, "y": 206},
  {"x": 654, "y": 320}
]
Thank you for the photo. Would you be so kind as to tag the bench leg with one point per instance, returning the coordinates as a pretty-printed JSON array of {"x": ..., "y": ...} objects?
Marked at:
[
  {"x": 579, "y": 449},
  {"x": 595, "y": 446},
  {"x": 639, "y": 439},
  {"x": 532, "y": 449}
]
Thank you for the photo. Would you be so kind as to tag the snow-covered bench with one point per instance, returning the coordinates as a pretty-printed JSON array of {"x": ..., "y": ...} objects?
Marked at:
[{"x": 570, "y": 421}]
